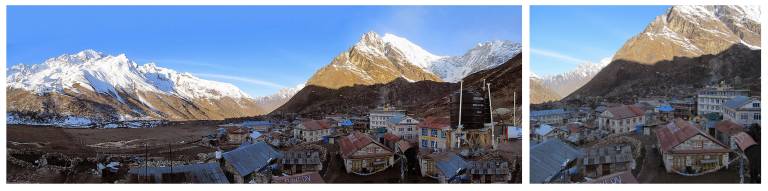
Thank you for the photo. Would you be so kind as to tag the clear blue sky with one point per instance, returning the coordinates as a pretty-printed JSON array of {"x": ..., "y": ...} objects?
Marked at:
[
  {"x": 257, "y": 48},
  {"x": 564, "y": 36}
]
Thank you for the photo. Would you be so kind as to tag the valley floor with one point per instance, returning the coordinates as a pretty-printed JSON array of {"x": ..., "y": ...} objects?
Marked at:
[
  {"x": 77, "y": 141},
  {"x": 28, "y": 143}
]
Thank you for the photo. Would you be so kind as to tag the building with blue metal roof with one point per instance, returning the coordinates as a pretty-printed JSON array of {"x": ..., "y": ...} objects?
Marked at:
[
  {"x": 249, "y": 158},
  {"x": 550, "y": 159},
  {"x": 550, "y": 116},
  {"x": 207, "y": 173}
]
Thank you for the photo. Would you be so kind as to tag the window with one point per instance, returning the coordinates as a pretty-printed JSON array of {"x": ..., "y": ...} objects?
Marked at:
[
  {"x": 357, "y": 164},
  {"x": 433, "y": 143},
  {"x": 698, "y": 144},
  {"x": 410, "y": 129},
  {"x": 434, "y": 132},
  {"x": 756, "y": 116},
  {"x": 401, "y": 129},
  {"x": 423, "y": 143},
  {"x": 424, "y": 132},
  {"x": 744, "y": 116},
  {"x": 442, "y": 134},
  {"x": 756, "y": 105}
]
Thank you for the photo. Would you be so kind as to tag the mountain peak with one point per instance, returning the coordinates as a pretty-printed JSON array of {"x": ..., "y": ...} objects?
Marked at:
[
  {"x": 412, "y": 52},
  {"x": 566, "y": 83},
  {"x": 370, "y": 36},
  {"x": 691, "y": 31},
  {"x": 113, "y": 74},
  {"x": 492, "y": 43},
  {"x": 380, "y": 59},
  {"x": 716, "y": 11},
  {"x": 485, "y": 55},
  {"x": 373, "y": 60},
  {"x": 89, "y": 54}
]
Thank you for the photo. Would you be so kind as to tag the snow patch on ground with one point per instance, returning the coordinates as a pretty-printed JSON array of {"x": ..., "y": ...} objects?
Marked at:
[{"x": 130, "y": 144}]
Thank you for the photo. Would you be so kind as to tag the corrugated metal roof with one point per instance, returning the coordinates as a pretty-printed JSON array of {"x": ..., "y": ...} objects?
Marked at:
[
  {"x": 736, "y": 102},
  {"x": 537, "y": 113},
  {"x": 600, "y": 109},
  {"x": 448, "y": 163},
  {"x": 492, "y": 167},
  {"x": 744, "y": 141},
  {"x": 665, "y": 108},
  {"x": 201, "y": 173},
  {"x": 257, "y": 123},
  {"x": 625, "y": 111},
  {"x": 249, "y": 158},
  {"x": 514, "y": 132},
  {"x": 345, "y": 122},
  {"x": 608, "y": 154},
  {"x": 356, "y": 141},
  {"x": 301, "y": 157},
  {"x": 547, "y": 159},
  {"x": 396, "y": 119},
  {"x": 544, "y": 129},
  {"x": 728, "y": 127},
  {"x": 403, "y": 145},
  {"x": 303, "y": 178},
  {"x": 441, "y": 123},
  {"x": 623, "y": 177},
  {"x": 313, "y": 125},
  {"x": 391, "y": 137},
  {"x": 678, "y": 131}
]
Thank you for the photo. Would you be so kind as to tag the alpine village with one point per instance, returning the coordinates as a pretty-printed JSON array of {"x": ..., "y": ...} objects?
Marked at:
[
  {"x": 678, "y": 103},
  {"x": 383, "y": 111}
]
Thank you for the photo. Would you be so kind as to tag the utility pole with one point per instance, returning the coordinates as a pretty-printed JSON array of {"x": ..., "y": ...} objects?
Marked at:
[
  {"x": 490, "y": 108},
  {"x": 170, "y": 154},
  {"x": 514, "y": 109},
  {"x": 146, "y": 162},
  {"x": 459, "y": 127},
  {"x": 403, "y": 160},
  {"x": 741, "y": 168}
]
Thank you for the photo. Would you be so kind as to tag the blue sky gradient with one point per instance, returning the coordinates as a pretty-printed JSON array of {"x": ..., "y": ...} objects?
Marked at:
[
  {"x": 564, "y": 36},
  {"x": 258, "y": 48}
]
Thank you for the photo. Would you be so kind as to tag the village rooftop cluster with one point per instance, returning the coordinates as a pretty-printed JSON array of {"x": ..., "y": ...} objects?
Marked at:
[
  {"x": 386, "y": 145},
  {"x": 710, "y": 137}
]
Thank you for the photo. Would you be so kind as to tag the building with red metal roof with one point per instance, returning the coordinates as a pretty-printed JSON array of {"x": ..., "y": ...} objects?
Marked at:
[
  {"x": 364, "y": 156},
  {"x": 687, "y": 149},
  {"x": 621, "y": 119}
]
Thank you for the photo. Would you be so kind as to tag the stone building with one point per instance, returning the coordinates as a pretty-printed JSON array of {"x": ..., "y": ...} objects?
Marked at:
[{"x": 605, "y": 160}]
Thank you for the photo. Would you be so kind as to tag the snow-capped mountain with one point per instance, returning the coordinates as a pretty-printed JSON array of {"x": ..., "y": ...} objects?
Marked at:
[
  {"x": 93, "y": 84},
  {"x": 371, "y": 61},
  {"x": 484, "y": 56},
  {"x": 540, "y": 93},
  {"x": 376, "y": 60},
  {"x": 272, "y": 102},
  {"x": 412, "y": 52},
  {"x": 565, "y": 83},
  {"x": 683, "y": 49},
  {"x": 693, "y": 30},
  {"x": 109, "y": 74}
]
